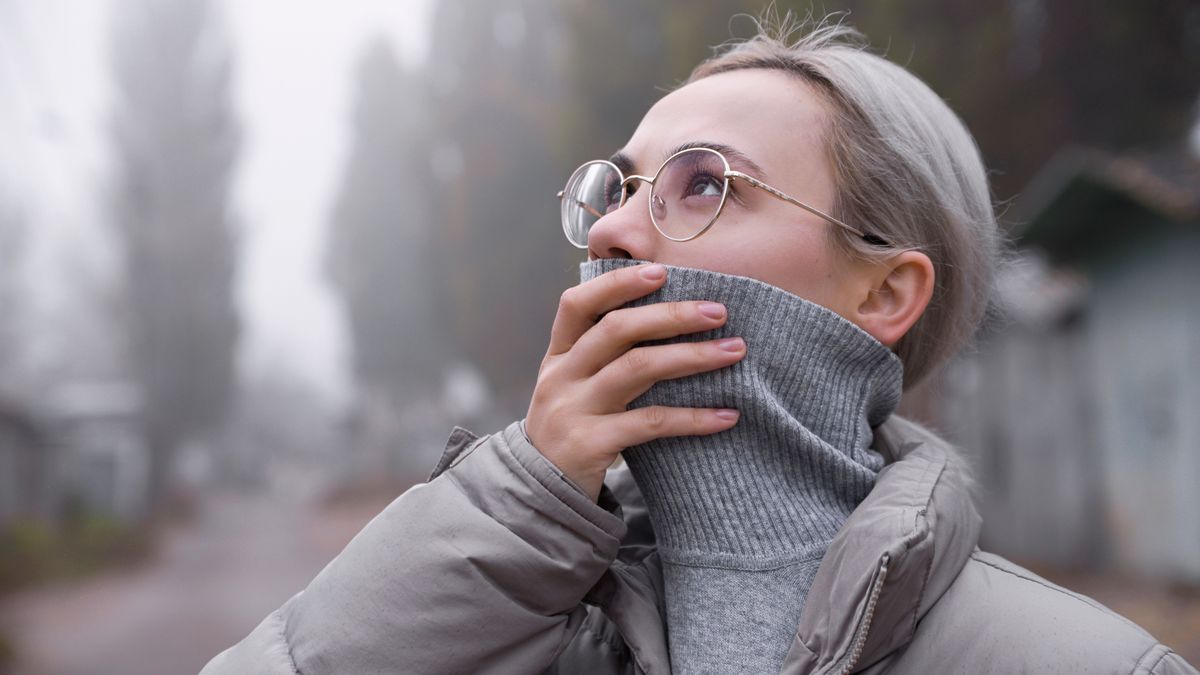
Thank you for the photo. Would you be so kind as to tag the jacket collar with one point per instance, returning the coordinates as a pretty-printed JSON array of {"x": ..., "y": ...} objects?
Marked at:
[{"x": 892, "y": 560}]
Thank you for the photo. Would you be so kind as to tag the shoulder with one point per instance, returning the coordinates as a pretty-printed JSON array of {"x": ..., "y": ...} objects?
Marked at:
[
  {"x": 995, "y": 616},
  {"x": 1000, "y": 617}
]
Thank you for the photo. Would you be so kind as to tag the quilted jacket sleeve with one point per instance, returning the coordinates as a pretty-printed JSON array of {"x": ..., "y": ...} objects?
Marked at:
[
  {"x": 480, "y": 570},
  {"x": 1160, "y": 660}
]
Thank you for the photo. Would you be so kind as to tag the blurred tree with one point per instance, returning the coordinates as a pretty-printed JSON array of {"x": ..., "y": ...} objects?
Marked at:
[
  {"x": 624, "y": 55},
  {"x": 175, "y": 143},
  {"x": 1032, "y": 76},
  {"x": 1027, "y": 76},
  {"x": 498, "y": 92},
  {"x": 380, "y": 257},
  {"x": 526, "y": 90}
]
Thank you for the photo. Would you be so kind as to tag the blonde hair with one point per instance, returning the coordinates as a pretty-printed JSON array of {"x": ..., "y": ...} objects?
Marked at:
[{"x": 905, "y": 169}]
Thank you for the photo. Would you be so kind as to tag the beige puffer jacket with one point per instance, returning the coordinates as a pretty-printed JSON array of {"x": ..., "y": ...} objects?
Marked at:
[{"x": 499, "y": 564}]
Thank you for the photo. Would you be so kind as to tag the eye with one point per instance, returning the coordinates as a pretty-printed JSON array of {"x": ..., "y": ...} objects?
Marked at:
[
  {"x": 704, "y": 184},
  {"x": 612, "y": 194}
]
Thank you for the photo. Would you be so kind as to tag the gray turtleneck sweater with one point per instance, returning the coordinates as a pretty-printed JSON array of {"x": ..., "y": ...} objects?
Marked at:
[{"x": 743, "y": 517}]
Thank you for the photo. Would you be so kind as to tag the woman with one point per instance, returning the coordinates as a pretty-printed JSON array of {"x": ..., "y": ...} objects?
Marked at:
[{"x": 786, "y": 242}]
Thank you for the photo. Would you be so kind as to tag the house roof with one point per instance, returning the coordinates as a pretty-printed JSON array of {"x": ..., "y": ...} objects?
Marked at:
[{"x": 1084, "y": 195}]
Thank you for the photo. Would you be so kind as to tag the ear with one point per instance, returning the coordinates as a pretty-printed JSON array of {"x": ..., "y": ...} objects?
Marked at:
[{"x": 899, "y": 291}]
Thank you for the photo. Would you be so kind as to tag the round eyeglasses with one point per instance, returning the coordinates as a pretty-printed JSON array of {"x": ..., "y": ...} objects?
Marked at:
[{"x": 687, "y": 194}]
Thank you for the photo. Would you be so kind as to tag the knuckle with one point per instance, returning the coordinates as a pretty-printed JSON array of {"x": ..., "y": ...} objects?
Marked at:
[
  {"x": 656, "y": 418},
  {"x": 614, "y": 323},
  {"x": 637, "y": 360},
  {"x": 540, "y": 403},
  {"x": 547, "y": 375},
  {"x": 677, "y": 312},
  {"x": 568, "y": 302}
]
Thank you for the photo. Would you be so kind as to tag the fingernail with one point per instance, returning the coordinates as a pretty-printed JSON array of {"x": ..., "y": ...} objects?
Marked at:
[
  {"x": 654, "y": 272},
  {"x": 733, "y": 344},
  {"x": 727, "y": 414},
  {"x": 713, "y": 310}
]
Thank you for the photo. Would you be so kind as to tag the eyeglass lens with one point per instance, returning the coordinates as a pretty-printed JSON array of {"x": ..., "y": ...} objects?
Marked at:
[
  {"x": 592, "y": 191},
  {"x": 687, "y": 194}
]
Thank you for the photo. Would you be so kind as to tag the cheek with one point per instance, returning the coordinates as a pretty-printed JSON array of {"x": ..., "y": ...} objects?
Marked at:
[
  {"x": 792, "y": 257},
  {"x": 795, "y": 258},
  {"x": 802, "y": 271}
]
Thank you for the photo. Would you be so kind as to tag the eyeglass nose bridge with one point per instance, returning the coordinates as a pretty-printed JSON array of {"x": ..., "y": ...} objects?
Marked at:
[{"x": 649, "y": 180}]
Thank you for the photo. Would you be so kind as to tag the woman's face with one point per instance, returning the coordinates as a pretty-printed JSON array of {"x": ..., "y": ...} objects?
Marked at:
[{"x": 777, "y": 121}]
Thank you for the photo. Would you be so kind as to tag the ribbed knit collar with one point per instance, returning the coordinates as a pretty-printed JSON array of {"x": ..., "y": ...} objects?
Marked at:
[{"x": 780, "y": 483}]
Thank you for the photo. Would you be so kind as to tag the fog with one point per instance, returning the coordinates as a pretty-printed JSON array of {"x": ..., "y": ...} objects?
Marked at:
[{"x": 258, "y": 259}]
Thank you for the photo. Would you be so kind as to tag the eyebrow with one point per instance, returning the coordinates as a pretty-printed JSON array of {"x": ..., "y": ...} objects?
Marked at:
[{"x": 738, "y": 160}]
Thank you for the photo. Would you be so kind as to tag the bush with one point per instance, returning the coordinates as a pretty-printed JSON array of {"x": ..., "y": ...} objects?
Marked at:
[{"x": 34, "y": 552}]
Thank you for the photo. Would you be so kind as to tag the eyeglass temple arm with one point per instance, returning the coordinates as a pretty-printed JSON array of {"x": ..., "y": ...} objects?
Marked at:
[
  {"x": 583, "y": 205},
  {"x": 816, "y": 212}
]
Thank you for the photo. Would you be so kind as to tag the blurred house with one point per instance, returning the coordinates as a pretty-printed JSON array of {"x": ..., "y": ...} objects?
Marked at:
[
  {"x": 1083, "y": 400},
  {"x": 26, "y": 466},
  {"x": 103, "y": 460}
]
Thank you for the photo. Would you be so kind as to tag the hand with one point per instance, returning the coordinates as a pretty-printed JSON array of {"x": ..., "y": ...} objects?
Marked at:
[{"x": 577, "y": 416}]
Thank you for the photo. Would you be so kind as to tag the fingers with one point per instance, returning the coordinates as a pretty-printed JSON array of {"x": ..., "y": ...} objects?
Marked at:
[
  {"x": 620, "y": 329},
  {"x": 577, "y": 415},
  {"x": 633, "y": 427},
  {"x": 580, "y": 307},
  {"x": 634, "y": 372}
]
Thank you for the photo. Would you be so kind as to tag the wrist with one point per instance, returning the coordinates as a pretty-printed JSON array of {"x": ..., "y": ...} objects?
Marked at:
[{"x": 587, "y": 483}]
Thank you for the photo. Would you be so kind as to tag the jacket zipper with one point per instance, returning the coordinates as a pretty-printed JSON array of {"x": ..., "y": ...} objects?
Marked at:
[{"x": 860, "y": 635}]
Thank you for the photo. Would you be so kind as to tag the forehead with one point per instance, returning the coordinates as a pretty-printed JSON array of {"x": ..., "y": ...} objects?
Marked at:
[{"x": 770, "y": 116}]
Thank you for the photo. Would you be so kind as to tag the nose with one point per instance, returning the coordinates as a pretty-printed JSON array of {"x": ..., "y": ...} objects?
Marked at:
[{"x": 626, "y": 232}]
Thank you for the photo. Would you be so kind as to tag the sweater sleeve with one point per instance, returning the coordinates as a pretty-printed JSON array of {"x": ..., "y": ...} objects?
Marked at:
[{"x": 482, "y": 569}]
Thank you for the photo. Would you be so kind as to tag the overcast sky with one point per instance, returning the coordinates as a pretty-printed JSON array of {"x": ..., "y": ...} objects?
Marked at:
[{"x": 293, "y": 77}]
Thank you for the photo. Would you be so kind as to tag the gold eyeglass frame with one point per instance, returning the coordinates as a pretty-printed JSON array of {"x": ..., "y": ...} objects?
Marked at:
[{"x": 728, "y": 175}]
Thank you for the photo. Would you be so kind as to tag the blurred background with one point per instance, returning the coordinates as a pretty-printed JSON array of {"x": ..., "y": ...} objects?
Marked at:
[{"x": 258, "y": 258}]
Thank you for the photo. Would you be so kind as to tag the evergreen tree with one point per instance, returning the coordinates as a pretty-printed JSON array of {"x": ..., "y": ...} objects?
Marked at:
[
  {"x": 498, "y": 90},
  {"x": 380, "y": 258},
  {"x": 175, "y": 144}
]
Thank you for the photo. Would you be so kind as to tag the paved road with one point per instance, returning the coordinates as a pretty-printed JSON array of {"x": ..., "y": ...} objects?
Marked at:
[{"x": 211, "y": 583}]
